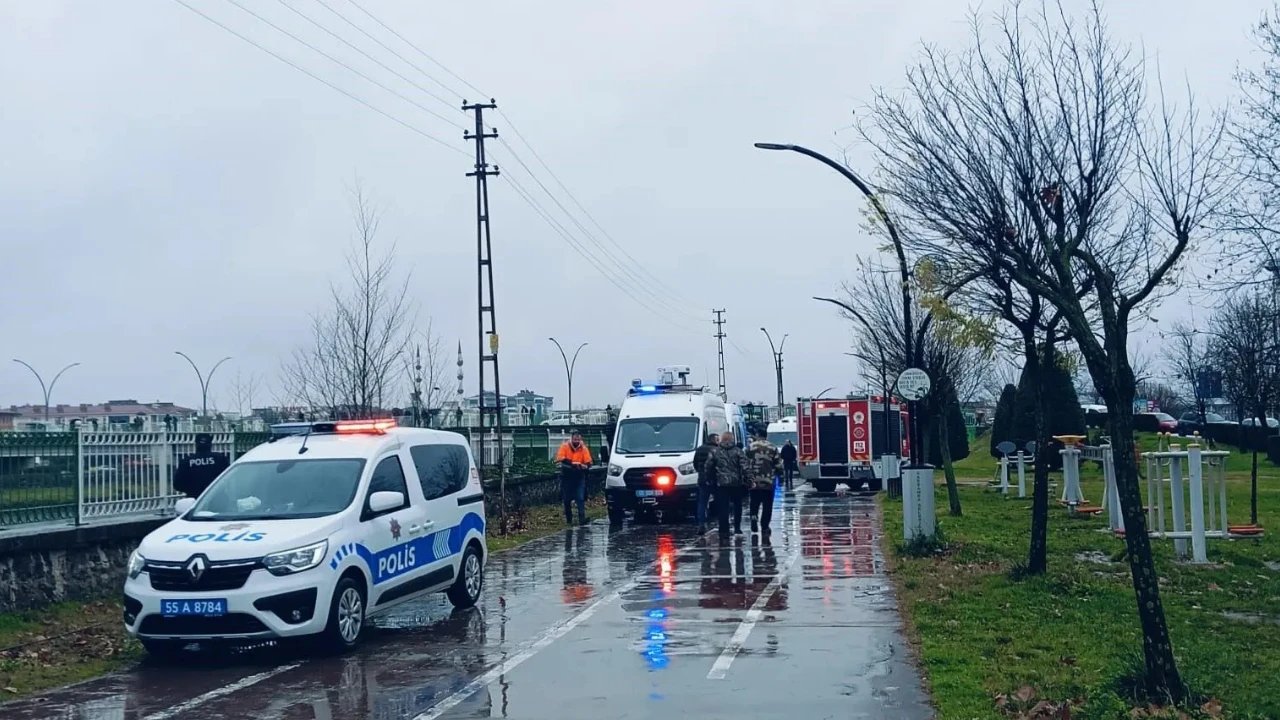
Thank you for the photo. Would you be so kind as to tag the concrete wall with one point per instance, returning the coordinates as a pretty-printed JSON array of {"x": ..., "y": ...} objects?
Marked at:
[{"x": 84, "y": 563}]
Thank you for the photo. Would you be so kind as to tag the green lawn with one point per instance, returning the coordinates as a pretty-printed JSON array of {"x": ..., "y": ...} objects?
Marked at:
[{"x": 1073, "y": 633}]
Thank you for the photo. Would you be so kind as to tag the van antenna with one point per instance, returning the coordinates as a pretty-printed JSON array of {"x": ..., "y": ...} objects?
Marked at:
[{"x": 305, "y": 437}]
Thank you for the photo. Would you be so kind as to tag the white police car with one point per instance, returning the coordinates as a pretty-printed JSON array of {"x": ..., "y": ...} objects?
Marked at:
[{"x": 309, "y": 535}]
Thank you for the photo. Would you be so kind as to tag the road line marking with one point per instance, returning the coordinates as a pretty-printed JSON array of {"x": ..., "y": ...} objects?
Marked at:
[
  {"x": 721, "y": 666},
  {"x": 555, "y": 632},
  {"x": 236, "y": 686}
]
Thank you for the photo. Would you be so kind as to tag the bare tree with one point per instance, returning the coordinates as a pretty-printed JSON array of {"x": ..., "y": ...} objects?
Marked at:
[
  {"x": 1245, "y": 348},
  {"x": 1036, "y": 154},
  {"x": 353, "y": 364},
  {"x": 244, "y": 388},
  {"x": 427, "y": 367},
  {"x": 1189, "y": 358}
]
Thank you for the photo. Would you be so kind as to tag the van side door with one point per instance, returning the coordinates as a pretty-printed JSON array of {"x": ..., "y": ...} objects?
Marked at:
[
  {"x": 443, "y": 470},
  {"x": 389, "y": 536}
]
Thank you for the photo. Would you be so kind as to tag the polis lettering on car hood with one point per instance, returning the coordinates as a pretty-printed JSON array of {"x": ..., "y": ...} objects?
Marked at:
[{"x": 218, "y": 537}]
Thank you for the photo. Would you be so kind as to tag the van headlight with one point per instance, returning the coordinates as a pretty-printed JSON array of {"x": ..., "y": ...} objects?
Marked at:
[
  {"x": 686, "y": 469},
  {"x": 615, "y": 470},
  {"x": 136, "y": 564},
  {"x": 297, "y": 559}
]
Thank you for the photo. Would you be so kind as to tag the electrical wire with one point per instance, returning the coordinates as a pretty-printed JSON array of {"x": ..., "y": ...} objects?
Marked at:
[
  {"x": 321, "y": 80},
  {"x": 299, "y": 40},
  {"x": 420, "y": 51}
]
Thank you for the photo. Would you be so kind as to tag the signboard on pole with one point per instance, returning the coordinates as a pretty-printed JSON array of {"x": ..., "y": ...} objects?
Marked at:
[{"x": 914, "y": 384}]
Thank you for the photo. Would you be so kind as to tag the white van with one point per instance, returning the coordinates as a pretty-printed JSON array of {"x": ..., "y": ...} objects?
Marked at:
[
  {"x": 659, "y": 427},
  {"x": 780, "y": 431},
  {"x": 311, "y": 534}
]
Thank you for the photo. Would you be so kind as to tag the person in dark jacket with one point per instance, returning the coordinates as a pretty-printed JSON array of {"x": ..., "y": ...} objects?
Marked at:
[
  {"x": 728, "y": 463},
  {"x": 789, "y": 465},
  {"x": 198, "y": 471},
  {"x": 705, "y": 480}
]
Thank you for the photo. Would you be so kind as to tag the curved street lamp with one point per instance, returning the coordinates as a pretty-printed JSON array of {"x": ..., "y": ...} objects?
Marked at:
[
  {"x": 45, "y": 390},
  {"x": 204, "y": 380},
  {"x": 569, "y": 365},
  {"x": 824, "y": 392},
  {"x": 899, "y": 249},
  {"x": 777, "y": 365}
]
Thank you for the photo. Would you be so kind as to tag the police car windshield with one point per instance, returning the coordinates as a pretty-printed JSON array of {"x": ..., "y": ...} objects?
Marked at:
[
  {"x": 657, "y": 435},
  {"x": 280, "y": 490}
]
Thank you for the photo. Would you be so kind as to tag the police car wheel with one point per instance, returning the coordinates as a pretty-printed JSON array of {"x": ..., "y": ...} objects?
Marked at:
[
  {"x": 346, "y": 615},
  {"x": 465, "y": 591}
]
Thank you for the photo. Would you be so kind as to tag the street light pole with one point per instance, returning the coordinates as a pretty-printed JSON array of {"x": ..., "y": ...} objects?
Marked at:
[
  {"x": 204, "y": 381},
  {"x": 569, "y": 365},
  {"x": 908, "y": 344},
  {"x": 46, "y": 391},
  {"x": 824, "y": 392},
  {"x": 777, "y": 366}
]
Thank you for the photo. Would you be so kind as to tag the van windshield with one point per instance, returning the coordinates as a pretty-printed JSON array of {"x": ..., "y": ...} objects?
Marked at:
[
  {"x": 780, "y": 438},
  {"x": 280, "y": 490},
  {"x": 657, "y": 435}
]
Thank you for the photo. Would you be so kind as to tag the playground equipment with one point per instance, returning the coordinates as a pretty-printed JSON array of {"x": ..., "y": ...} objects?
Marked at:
[
  {"x": 1006, "y": 449},
  {"x": 1072, "y": 496}
]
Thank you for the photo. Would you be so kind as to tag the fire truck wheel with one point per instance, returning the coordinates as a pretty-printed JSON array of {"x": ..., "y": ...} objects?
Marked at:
[{"x": 824, "y": 486}]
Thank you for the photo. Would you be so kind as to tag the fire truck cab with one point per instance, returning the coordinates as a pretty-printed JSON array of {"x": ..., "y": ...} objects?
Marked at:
[{"x": 839, "y": 440}]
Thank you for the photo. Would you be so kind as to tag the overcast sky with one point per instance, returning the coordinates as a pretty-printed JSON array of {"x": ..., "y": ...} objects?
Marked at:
[{"x": 166, "y": 186}]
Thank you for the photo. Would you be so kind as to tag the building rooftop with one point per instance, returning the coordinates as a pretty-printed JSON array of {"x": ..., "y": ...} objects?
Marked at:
[{"x": 109, "y": 408}]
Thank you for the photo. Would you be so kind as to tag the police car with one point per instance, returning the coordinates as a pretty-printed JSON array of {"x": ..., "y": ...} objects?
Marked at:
[{"x": 311, "y": 534}]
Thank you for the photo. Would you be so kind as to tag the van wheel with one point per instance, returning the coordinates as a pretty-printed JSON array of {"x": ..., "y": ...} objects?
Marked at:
[
  {"x": 465, "y": 591},
  {"x": 346, "y": 616},
  {"x": 163, "y": 649}
]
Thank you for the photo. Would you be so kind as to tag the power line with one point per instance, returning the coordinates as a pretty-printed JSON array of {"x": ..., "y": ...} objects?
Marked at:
[
  {"x": 564, "y": 234},
  {"x": 398, "y": 94},
  {"x": 419, "y": 50},
  {"x": 321, "y": 80},
  {"x": 380, "y": 64}
]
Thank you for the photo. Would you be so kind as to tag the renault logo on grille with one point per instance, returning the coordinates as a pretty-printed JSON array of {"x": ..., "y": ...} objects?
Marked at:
[{"x": 196, "y": 567}]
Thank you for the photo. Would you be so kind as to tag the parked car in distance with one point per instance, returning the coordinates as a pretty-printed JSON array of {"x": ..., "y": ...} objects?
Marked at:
[
  {"x": 1271, "y": 422},
  {"x": 1155, "y": 422},
  {"x": 1189, "y": 423}
]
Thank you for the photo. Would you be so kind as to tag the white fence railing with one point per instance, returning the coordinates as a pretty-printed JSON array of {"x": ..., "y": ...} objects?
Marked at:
[{"x": 132, "y": 473}]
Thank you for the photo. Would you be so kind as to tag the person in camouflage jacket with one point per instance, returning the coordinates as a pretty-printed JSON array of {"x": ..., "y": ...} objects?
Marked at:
[
  {"x": 765, "y": 463},
  {"x": 729, "y": 466}
]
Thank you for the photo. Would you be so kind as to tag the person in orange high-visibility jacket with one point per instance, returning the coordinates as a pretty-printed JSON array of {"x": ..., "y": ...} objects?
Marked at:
[{"x": 574, "y": 459}]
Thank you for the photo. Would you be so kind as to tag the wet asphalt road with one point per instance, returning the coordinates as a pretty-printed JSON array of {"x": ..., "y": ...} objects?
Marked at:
[{"x": 635, "y": 622}]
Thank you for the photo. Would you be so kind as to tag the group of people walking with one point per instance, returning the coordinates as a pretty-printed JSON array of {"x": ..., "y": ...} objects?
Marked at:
[{"x": 730, "y": 474}]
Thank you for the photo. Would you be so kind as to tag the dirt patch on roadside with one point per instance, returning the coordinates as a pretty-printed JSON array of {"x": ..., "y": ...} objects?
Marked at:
[{"x": 62, "y": 644}]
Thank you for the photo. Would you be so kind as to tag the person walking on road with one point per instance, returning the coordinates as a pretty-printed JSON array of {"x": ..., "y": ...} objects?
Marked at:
[
  {"x": 728, "y": 464},
  {"x": 765, "y": 462},
  {"x": 197, "y": 471},
  {"x": 789, "y": 455},
  {"x": 706, "y": 481},
  {"x": 575, "y": 460}
]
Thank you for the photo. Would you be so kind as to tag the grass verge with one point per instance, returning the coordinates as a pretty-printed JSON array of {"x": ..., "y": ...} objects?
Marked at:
[
  {"x": 995, "y": 646},
  {"x": 74, "y": 641}
]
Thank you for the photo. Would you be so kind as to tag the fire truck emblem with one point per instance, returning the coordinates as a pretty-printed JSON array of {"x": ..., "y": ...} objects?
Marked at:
[
  {"x": 858, "y": 417},
  {"x": 859, "y": 433}
]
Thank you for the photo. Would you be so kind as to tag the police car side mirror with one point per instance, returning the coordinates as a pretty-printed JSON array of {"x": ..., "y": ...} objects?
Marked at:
[
  {"x": 385, "y": 500},
  {"x": 183, "y": 505}
]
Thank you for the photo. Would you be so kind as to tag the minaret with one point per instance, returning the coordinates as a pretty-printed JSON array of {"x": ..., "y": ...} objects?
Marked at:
[{"x": 459, "y": 390}]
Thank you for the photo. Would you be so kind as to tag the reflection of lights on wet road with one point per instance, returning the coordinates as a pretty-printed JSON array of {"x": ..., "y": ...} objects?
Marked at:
[
  {"x": 655, "y": 636},
  {"x": 666, "y": 564}
]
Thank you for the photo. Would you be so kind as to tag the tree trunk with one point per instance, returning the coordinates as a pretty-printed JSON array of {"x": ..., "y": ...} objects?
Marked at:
[
  {"x": 948, "y": 469},
  {"x": 1038, "y": 555},
  {"x": 1157, "y": 647}
]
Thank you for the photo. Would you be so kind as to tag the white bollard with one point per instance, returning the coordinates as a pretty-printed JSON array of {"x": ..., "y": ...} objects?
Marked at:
[
  {"x": 1022, "y": 475},
  {"x": 1176, "y": 499},
  {"x": 918, "y": 515},
  {"x": 1198, "y": 554},
  {"x": 1004, "y": 474}
]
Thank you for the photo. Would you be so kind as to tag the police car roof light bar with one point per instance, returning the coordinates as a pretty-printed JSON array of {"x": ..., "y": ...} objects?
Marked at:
[{"x": 375, "y": 427}]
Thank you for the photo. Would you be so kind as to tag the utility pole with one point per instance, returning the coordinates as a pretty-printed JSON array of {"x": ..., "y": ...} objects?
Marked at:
[
  {"x": 487, "y": 321},
  {"x": 719, "y": 321},
  {"x": 777, "y": 365}
]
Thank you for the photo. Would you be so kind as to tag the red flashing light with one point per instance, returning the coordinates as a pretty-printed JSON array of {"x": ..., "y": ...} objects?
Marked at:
[
  {"x": 373, "y": 427},
  {"x": 664, "y": 480}
]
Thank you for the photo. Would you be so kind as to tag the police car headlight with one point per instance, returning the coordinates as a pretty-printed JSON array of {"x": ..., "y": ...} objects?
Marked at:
[
  {"x": 297, "y": 559},
  {"x": 136, "y": 564},
  {"x": 615, "y": 470},
  {"x": 686, "y": 469}
]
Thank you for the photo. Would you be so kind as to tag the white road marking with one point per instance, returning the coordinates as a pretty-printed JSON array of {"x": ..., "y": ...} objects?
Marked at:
[
  {"x": 236, "y": 686},
  {"x": 721, "y": 666},
  {"x": 555, "y": 632}
]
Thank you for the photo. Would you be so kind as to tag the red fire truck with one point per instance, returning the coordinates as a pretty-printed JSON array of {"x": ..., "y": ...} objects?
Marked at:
[{"x": 840, "y": 438}]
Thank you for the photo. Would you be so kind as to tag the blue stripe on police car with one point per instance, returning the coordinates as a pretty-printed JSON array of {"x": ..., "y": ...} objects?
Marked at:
[{"x": 411, "y": 554}]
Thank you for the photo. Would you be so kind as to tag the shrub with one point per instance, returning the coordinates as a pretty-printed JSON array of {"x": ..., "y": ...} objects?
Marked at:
[
  {"x": 1002, "y": 427},
  {"x": 957, "y": 432}
]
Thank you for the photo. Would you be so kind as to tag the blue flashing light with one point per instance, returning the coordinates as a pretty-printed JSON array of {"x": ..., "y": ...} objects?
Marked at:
[{"x": 647, "y": 388}]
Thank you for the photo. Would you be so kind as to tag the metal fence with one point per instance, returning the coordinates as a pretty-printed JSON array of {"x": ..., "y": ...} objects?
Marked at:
[{"x": 81, "y": 477}]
